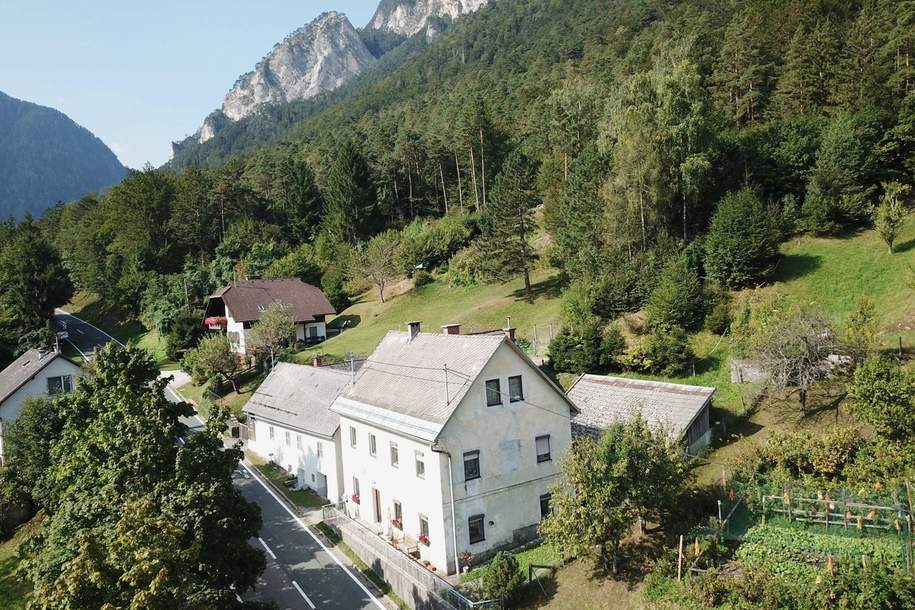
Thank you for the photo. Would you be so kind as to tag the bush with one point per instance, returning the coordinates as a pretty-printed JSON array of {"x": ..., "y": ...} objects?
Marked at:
[
  {"x": 592, "y": 349},
  {"x": 427, "y": 244},
  {"x": 665, "y": 351},
  {"x": 333, "y": 284},
  {"x": 467, "y": 267},
  {"x": 679, "y": 298},
  {"x": 882, "y": 394},
  {"x": 740, "y": 247},
  {"x": 503, "y": 579},
  {"x": 185, "y": 333},
  {"x": 718, "y": 318},
  {"x": 422, "y": 278}
]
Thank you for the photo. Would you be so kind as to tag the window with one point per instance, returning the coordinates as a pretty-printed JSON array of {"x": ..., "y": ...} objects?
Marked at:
[
  {"x": 395, "y": 457},
  {"x": 62, "y": 384},
  {"x": 471, "y": 465},
  {"x": 319, "y": 449},
  {"x": 312, "y": 332},
  {"x": 271, "y": 433},
  {"x": 543, "y": 448},
  {"x": 372, "y": 445},
  {"x": 352, "y": 436},
  {"x": 355, "y": 490},
  {"x": 545, "y": 509},
  {"x": 424, "y": 526},
  {"x": 515, "y": 389},
  {"x": 493, "y": 393},
  {"x": 475, "y": 528},
  {"x": 288, "y": 438},
  {"x": 420, "y": 465},
  {"x": 298, "y": 441}
]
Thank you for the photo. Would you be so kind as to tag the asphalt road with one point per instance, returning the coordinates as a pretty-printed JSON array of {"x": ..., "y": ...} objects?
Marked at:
[
  {"x": 80, "y": 334},
  {"x": 301, "y": 572}
]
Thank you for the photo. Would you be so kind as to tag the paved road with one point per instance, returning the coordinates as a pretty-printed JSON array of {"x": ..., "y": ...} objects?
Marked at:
[
  {"x": 301, "y": 572},
  {"x": 80, "y": 334}
]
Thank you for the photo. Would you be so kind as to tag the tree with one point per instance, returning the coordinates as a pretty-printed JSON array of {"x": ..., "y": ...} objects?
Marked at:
[
  {"x": 350, "y": 213},
  {"x": 882, "y": 394},
  {"x": 586, "y": 349},
  {"x": 27, "y": 449},
  {"x": 301, "y": 263},
  {"x": 274, "y": 330},
  {"x": 632, "y": 471},
  {"x": 33, "y": 280},
  {"x": 502, "y": 578},
  {"x": 740, "y": 247},
  {"x": 861, "y": 329},
  {"x": 678, "y": 298},
  {"x": 212, "y": 356},
  {"x": 377, "y": 262},
  {"x": 890, "y": 214},
  {"x": 133, "y": 518},
  {"x": 508, "y": 222}
]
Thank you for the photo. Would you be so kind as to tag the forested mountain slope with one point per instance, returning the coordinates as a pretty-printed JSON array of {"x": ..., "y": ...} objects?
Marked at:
[{"x": 45, "y": 157}]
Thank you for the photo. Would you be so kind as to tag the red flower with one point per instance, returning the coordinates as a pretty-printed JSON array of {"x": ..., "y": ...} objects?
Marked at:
[
  {"x": 397, "y": 523},
  {"x": 424, "y": 539},
  {"x": 355, "y": 498}
]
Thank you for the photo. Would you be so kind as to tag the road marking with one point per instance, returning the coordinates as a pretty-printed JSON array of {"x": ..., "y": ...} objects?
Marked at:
[
  {"x": 302, "y": 525},
  {"x": 302, "y": 593},
  {"x": 267, "y": 548},
  {"x": 68, "y": 314}
]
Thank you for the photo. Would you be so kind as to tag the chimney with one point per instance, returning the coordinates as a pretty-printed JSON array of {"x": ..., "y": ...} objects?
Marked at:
[
  {"x": 451, "y": 329},
  {"x": 509, "y": 329},
  {"x": 414, "y": 329},
  {"x": 316, "y": 360}
]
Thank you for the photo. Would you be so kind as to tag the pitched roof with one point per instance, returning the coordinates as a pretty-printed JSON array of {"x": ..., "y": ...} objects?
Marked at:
[
  {"x": 248, "y": 300},
  {"x": 23, "y": 369},
  {"x": 601, "y": 400},
  {"x": 300, "y": 396},
  {"x": 402, "y": 385}
]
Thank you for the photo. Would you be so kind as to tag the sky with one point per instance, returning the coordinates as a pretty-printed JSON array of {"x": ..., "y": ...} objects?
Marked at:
[{"x": 141, "y": 74}]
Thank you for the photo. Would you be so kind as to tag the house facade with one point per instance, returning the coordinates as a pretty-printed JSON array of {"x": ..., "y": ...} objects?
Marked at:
[
  {"x": 35, "y": 374},
  {"x": 235, "y": 308},
  {"x": 290, "y": 423},
  {"x": 451, "y": 443},
  {"x": 682, "y": 410}
]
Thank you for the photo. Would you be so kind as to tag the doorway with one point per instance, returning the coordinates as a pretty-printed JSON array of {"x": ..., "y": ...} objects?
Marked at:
[{"x": 376, "y": 499}]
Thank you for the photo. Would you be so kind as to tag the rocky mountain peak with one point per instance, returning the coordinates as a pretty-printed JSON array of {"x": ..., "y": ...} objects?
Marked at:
[{"x": 408, "y": 17}]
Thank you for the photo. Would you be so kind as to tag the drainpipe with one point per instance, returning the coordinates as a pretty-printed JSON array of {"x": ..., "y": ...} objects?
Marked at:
[{"x": 457, "y": 568}]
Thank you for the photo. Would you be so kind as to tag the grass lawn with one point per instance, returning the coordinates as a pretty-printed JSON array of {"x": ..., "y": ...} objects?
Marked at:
[
  {"x": 88, "y": 307},
  {"x": 476, "y": 308},
  {"x": 300, "y": 497},
  {"x": 578, "y": 586},
  {"x": 234, "y": 401},
  {"x": 542, "y": 554},
  {"x": 13, "y": 591}
]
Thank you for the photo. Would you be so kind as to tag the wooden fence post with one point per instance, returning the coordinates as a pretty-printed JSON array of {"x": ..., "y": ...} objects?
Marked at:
[{"x": 680, "y": 561}]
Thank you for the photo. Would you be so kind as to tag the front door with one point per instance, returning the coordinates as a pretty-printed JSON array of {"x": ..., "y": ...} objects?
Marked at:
[
  {"x": 321, "y": 485},
  {"x": 376, "y": 497}
]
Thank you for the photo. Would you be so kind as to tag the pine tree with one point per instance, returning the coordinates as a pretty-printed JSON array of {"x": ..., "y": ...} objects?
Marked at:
[
  {"x": 808, "y": 76},
  {"x": 508, "y": 222},
  {"x": 351, "y": 203}
]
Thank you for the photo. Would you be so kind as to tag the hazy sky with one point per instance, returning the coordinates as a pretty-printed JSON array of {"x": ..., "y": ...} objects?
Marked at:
[{"x": 141, "y": 74}]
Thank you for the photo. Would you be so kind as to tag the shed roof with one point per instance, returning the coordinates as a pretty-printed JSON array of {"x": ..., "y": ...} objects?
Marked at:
[
  {"x": 300, "y": 396},
  {"x": 23, "y": 369},
  {"x": 602, "y": 400},
  {"x": 248, "y": 300}
]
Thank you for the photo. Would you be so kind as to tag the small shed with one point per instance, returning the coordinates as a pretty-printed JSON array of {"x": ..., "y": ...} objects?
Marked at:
[{"x": 683, "y": 410}]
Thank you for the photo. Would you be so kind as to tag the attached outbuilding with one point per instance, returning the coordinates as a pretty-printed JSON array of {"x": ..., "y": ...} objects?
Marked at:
[
  {"x": 682, "y": 410},
  {"x": 34, "y": 374},
  {"x": 290, "y": 423}
]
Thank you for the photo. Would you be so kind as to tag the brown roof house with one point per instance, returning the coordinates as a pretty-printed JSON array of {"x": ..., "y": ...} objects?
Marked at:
[
  {"x": 235, "y": 308},
  {"x": 682, "y": 410}
]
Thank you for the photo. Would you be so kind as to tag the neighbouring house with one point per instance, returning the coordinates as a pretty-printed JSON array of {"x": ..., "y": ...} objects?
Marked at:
[
  {"x": 35, "y": 373},
  {"x": 290, "y": 422},
  {"x": 236, "y": 307},
  {"x": 682, "y": 410},
  {"x": 451, "y": 443}
]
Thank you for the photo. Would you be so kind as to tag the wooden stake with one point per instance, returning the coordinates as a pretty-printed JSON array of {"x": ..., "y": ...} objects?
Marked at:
[{"x": 680, "y": 561}]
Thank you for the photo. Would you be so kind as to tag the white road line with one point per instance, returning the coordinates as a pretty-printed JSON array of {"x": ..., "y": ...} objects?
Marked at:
[
  {"x": 67, "y": 313},
  {"x": 267, "y": 548},
  {"x": 316, "y": 539},
  {"x": 302, "y": 593}
]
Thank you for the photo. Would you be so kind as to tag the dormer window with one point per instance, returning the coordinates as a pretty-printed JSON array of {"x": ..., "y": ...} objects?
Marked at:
[{"x": 262, "y": 308}]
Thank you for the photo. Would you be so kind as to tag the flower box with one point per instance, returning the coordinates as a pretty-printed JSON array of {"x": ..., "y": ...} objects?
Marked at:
[
  {"x": 424, "y": 539},
  {"x": 355, "y": 498},
  {"x": 397, "y": 523}
]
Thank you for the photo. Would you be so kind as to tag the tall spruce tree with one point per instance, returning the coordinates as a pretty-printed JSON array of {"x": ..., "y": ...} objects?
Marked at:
[
  {"x": 508, "y": 222},
  {"x": 351, "y": 208}
]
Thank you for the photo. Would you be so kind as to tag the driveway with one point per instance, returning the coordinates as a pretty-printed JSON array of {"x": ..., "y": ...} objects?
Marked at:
[
  {"x": 301, "y": 573},
  {"x": 80, "y": 334}
]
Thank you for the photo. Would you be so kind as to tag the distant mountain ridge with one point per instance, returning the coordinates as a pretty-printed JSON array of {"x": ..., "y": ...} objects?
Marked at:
[
  {"x": 45, "y": 157},
  {"x": 321, "y": 56}
]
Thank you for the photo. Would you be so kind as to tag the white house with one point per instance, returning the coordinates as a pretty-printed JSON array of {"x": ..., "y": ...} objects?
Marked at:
[
  {"x": 452, "y": 441},
  {"x": 290, "y": 422},
  {"x": 682, "y": 410},
  {"x": 236, "y": 307},
  {"x": 35, "y": 373}
]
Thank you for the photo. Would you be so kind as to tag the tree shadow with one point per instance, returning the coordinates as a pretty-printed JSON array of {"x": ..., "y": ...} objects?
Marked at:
[
  {"x": 346, "y": 322},
  {"x": 794, "y": 266},
  {"x": 904, "y": 246},
  {"x": 550, "y": 288}
]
